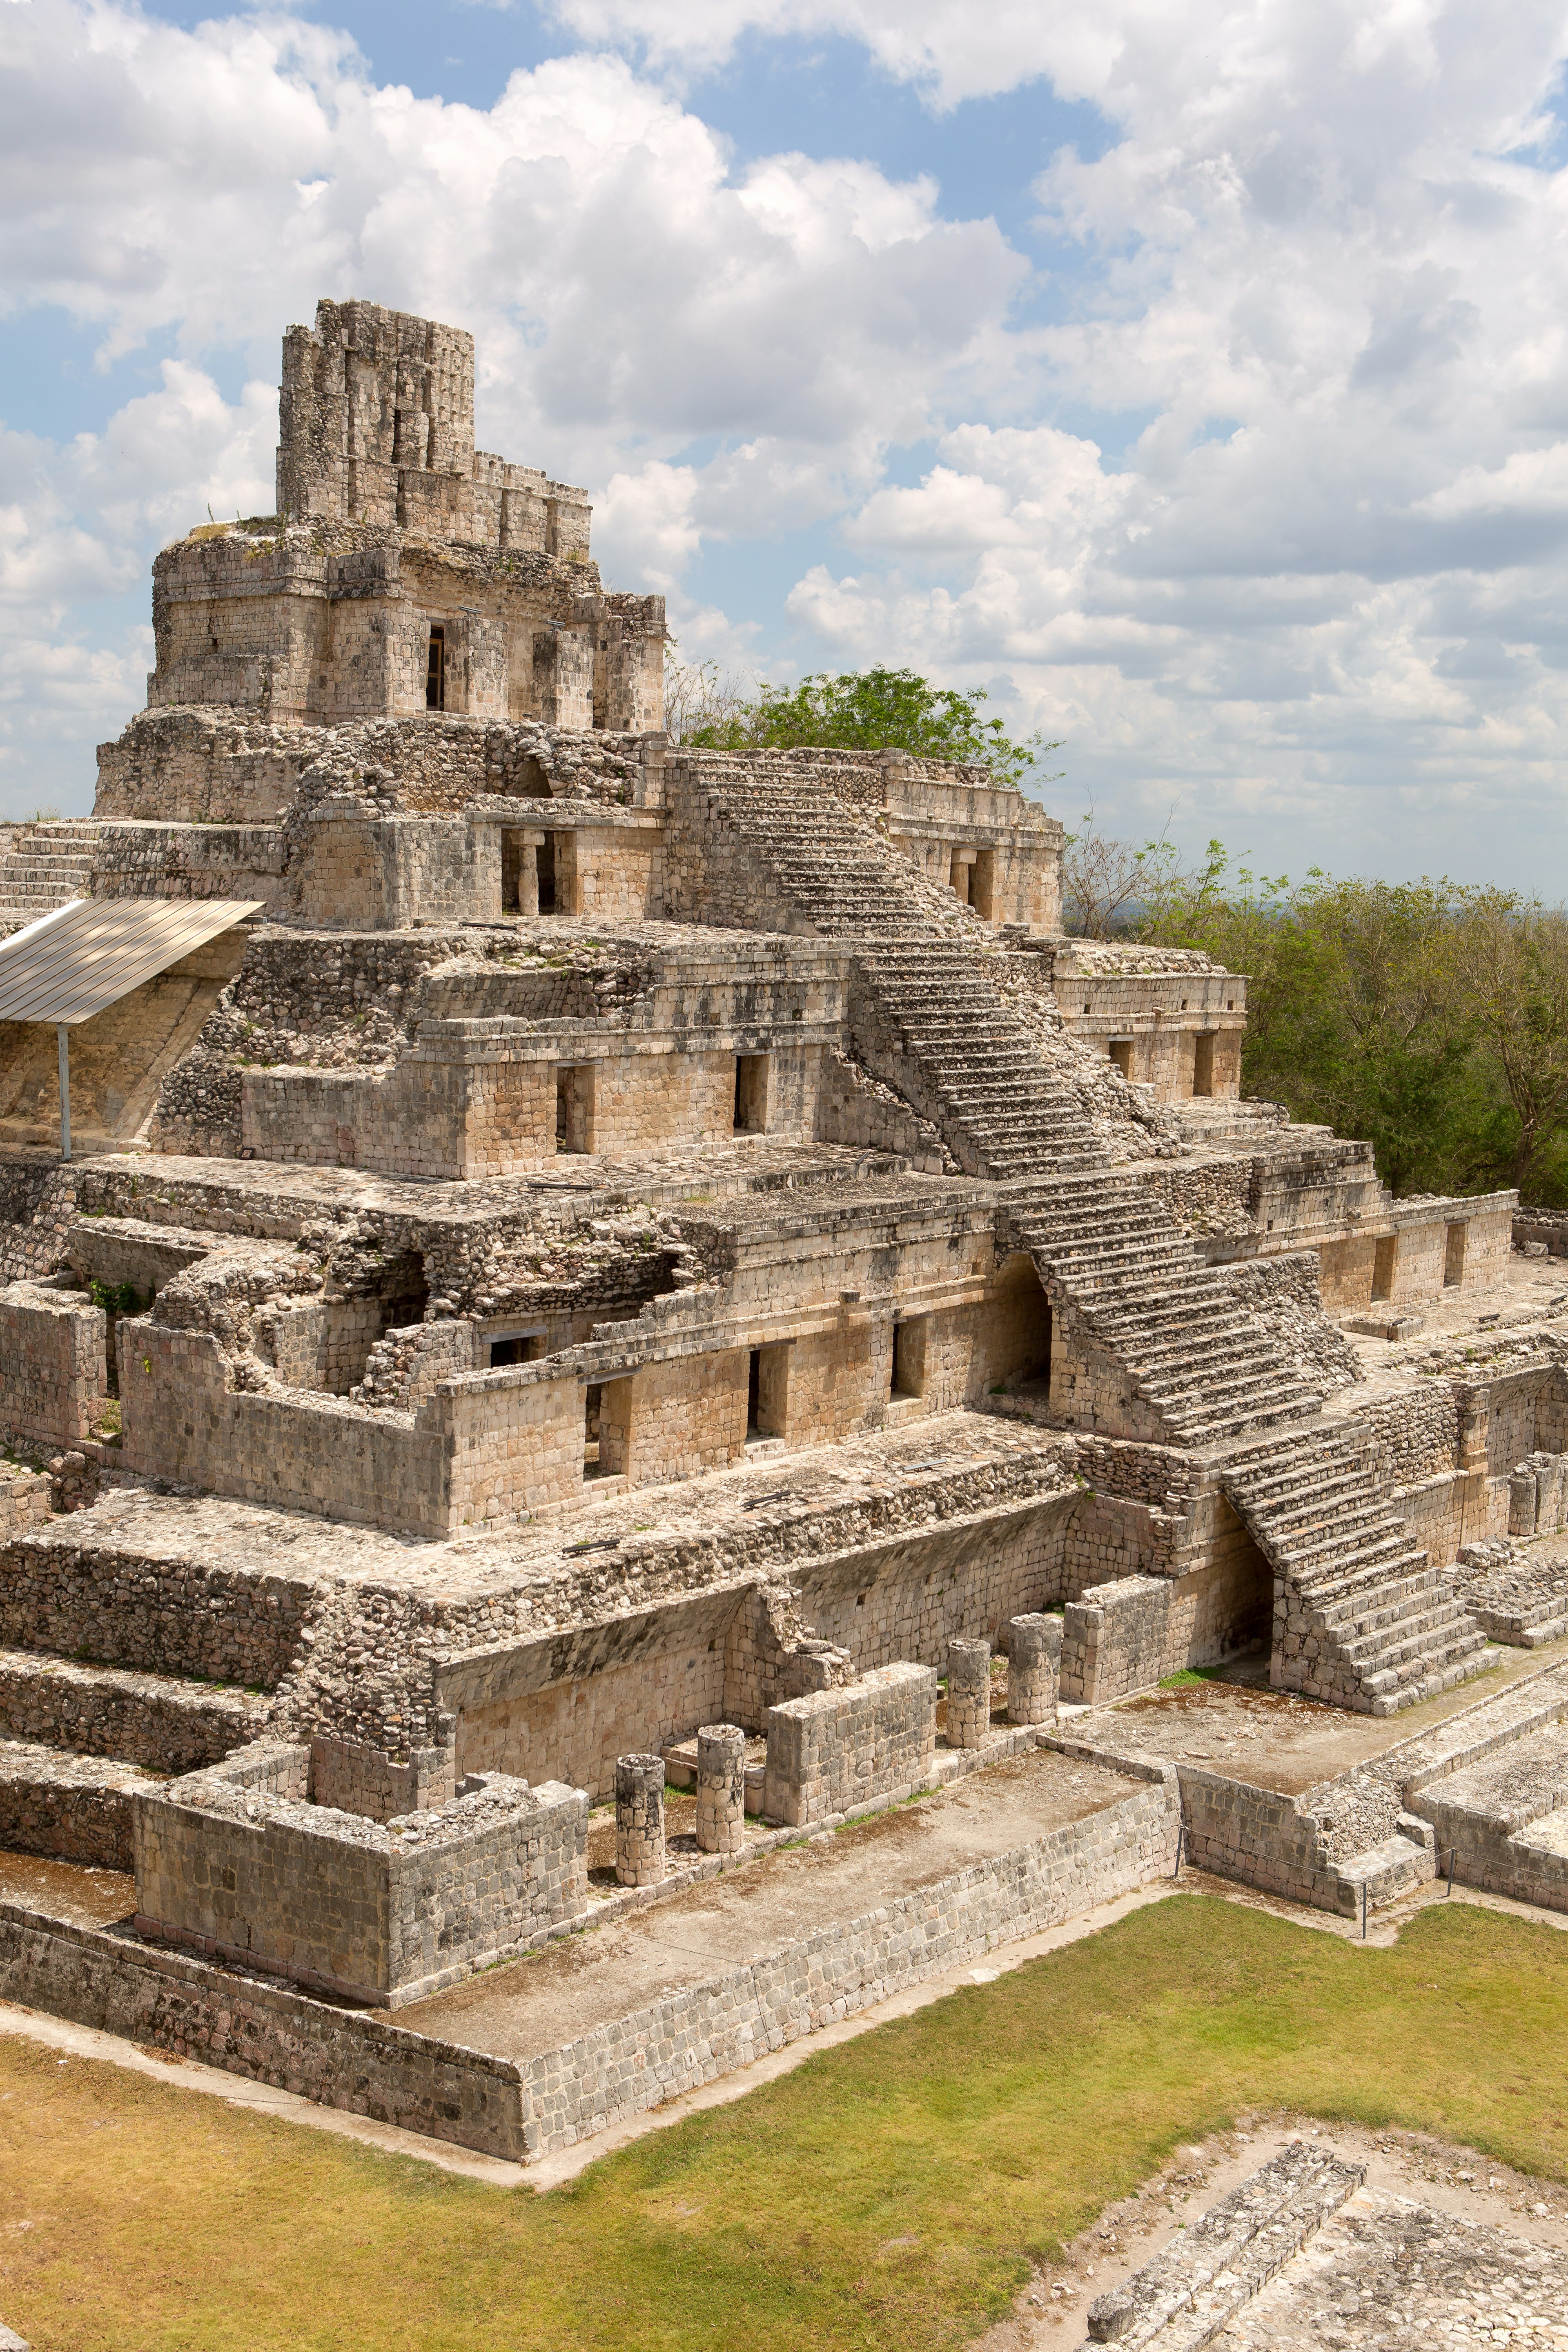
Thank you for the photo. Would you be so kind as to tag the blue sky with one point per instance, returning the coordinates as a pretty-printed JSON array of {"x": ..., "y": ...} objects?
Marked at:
[{"x": 1194, "y": 377}]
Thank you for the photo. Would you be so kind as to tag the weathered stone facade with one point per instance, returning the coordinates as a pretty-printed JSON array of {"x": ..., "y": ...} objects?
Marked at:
[{"x": 634, "y": 1264}]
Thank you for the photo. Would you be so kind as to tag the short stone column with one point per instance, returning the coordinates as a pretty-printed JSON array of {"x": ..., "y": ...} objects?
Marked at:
[
  {"x": 968, "y": 1693},
  {"x": 721, "y": 1787},
  {"x": 638, "y": 1819},
  {"x": 1034, "y": 1668}
]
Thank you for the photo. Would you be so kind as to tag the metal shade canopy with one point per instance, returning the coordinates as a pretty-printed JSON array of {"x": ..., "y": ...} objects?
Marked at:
[{"x": 90, "y": 952}]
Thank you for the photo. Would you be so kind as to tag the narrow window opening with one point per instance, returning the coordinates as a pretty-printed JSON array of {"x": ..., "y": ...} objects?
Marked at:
[
  {"x": 546, "y": 856},
  {"x": 1203, "y": 1063},
  {"x": 750, "y": 1094},
  {"x": 436, "y": 672},
  {"x": 1454, "y": 1258},
  {"x": 1384, "y": 1258},
  {"x": 1122, "y": 1054}
]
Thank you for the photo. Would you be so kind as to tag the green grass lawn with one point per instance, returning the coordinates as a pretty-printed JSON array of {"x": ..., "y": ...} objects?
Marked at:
[{"x": 890, "y": 2192}]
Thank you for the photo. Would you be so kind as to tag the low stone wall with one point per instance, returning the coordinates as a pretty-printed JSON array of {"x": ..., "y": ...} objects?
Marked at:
[
  {"x": 386, "y": 1912},
  {"x": 1259, "y": 1837},
  {"x": 24, "y": 1503},
  {"x": 1128, "y": 1634},
  {"x": 707, "y": 2031},
  {"x": 54, "y": 1371},
  {"x": 72, "y": 1808},
  {"x": 271, "y": 2034},
  {"x": 835, "y": 1748},
  {"x": 264, "y": 2031}
]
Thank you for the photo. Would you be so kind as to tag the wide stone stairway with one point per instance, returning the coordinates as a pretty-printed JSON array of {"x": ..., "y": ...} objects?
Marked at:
[
  {"x": 42, "y": 865},
  {"x": 1362, "y": 1617},
  {"x": 1108, "y": 1249}
]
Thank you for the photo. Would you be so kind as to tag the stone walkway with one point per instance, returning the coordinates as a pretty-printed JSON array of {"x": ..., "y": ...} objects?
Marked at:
[{"x": 541, "y": 2002}]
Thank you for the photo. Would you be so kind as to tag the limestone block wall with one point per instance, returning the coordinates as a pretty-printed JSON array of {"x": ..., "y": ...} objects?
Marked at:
[
  {"x": 675, "y": 1420},
  {"x": 54, "y": 1373},
  {"x": 25, "y": 1502},
  {"x": 481, "y": 1448},
  {"x": 1128, "y": 1634},
  {"x": 353, "y": 872},
  {"x": 182, "y": 1421},
  {"x": 467, "y": 1099},
  {"x": 202, "y": 768},
  {"x": 575, "y": 1728},
  {"x": 512, "y": 1445},
  {"x": 384, "y": 1912},
  {"x": 1149, "y": 1017},
  {"x": 855, "y": 1108},
  {"x": 1424, "y": 1247},
  {"x": 190, "y": 861},
  {"x": 835, "y": 1748},
  {"x": 69, "y": 1597}
]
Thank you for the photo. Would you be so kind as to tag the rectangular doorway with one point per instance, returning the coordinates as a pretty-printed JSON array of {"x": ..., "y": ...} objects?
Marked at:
[
  {"x": 1384, "y": 1258},
  {"x": 908, "y": 1370},
  {"x": 546, "y": 856},
  {"x": 435, "y": 671},
  {"x": 750, "y": 1094},
  {"x": 574, "y": 1108},
  {"x": 768, "y": 1391},
  {"x": 1454, "y": 1257},
  {"x": 1203, "y": 1063},
  {"x": 1121, "y": 1056}
]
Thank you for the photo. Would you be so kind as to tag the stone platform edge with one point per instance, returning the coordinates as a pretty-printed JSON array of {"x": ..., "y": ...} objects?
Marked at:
[{"x": 358, "y": 2061}]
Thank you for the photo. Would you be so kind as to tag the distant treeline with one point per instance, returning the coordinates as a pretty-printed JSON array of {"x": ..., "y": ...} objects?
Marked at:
[{"x": 1430, "y": 1018}]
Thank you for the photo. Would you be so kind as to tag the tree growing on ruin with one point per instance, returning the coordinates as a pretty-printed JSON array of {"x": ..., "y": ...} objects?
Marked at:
[{"x": 872, "y": 709}]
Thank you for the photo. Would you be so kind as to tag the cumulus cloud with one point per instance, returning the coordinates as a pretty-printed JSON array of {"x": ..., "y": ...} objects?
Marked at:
[
  {"x": 629, "y": 293},
  {"x": 1269, "y": 519}
]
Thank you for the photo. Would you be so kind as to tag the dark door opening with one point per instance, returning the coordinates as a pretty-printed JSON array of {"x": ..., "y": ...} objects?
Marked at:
[
  {"x": 545, "y": 856},
  {"x": 436, "y": 672},
  {"x": 753, "y": 1390},
  {"x": 750, "y": 1094},
  {"x": 515, "y": 1347},
  {"x": 1384, "y": 1258},
  {"x": 1121, "y": 1056},
  {"x": 1203, "y": 1063}
]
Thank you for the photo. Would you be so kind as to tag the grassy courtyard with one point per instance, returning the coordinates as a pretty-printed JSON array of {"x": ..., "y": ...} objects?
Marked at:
[{"x": 889, "y": 2192}]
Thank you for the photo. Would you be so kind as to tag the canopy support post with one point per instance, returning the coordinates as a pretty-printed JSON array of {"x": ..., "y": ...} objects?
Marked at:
[{"x": 64, "y": 1035}]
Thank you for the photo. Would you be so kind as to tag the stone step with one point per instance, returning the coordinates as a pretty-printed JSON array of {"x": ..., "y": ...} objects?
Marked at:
[
  {"x": 160, "y": 1722},
  {"x": 76, "y": 1807},
  {"x": 1387, "y": 1871}
]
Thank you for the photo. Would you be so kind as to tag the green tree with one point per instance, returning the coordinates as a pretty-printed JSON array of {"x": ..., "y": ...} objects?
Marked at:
[{"x": 874, "y": 709}]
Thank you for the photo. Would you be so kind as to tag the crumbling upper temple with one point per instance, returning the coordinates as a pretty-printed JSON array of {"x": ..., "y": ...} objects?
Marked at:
[{"x": 636, "y": 1267}]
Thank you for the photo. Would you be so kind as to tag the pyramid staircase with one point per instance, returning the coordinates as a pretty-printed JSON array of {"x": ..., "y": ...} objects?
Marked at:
[
  {"x": 1362, "y": 1618},
  {"x": 42, "y": 867},
  {"x": 1366, "y": 1620}
]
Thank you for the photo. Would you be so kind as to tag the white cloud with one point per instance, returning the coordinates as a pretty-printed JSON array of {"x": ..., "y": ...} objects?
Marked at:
[{"x": 1322, "y": 266}]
